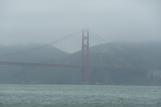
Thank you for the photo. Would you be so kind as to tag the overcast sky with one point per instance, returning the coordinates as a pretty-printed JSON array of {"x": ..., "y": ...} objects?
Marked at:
[{"x": 43, "y": 21}]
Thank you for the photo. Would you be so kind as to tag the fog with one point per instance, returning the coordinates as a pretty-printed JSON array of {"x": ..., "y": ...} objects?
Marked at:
[
  {"x": 43, "y": 21},
  {"x": 125, "y": 40}
]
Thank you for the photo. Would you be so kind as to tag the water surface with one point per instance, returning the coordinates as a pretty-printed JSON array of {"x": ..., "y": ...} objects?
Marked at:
[{"x": 79, "y": 96}]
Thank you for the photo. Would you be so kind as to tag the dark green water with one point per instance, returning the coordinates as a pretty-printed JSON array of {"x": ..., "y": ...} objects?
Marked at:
[{"x": 79, "y": 96}]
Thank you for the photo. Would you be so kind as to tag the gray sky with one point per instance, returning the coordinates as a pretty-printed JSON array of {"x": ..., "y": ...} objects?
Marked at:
[{"x": 42, "y": 21}]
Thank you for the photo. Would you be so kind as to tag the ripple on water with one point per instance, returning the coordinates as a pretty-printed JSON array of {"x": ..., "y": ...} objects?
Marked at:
[{"x": 79, "y": 95}]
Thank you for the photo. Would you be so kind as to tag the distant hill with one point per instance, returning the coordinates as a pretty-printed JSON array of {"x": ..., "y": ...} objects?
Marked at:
[
  {"x": 127, "y": 63},
  {"x": 28, "y": 53},
  {"x": 112, "y": 63},
  {"x": 31, "y": 53},
  {"x": 124, "y": 63}
]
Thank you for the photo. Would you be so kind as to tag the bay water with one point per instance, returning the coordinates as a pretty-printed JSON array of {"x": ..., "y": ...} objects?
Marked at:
[{"x": 79, "y": 96}]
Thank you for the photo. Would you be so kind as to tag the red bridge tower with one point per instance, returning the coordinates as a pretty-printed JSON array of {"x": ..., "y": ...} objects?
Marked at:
[{"x": 85, "y": 68}]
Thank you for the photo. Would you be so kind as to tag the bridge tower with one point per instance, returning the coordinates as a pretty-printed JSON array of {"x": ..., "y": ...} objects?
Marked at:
[{"x": 85, "y": 57}]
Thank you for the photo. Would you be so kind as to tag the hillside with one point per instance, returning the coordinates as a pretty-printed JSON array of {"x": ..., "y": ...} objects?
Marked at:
[
  {"x": 112, "y": 63},
  {"x": 31, "y": 53},
  {"x": 128, "y": 63},
  {"x": 28, "y": 53},
  {"x": 124, "y": 63}
]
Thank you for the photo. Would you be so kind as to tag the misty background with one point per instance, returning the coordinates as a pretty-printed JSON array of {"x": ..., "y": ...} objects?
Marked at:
[
  {"x": 43, "y": 21},
  {"x": 125, "y": 36}
]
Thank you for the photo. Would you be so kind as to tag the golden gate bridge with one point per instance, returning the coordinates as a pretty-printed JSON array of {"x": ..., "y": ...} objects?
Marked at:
[{"x": 85, "y": 66}]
